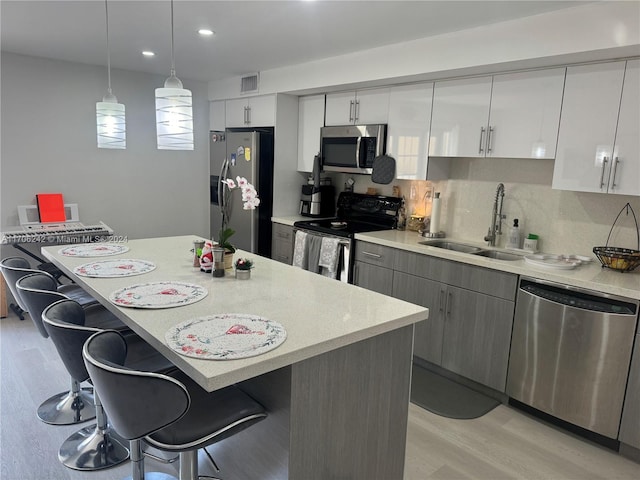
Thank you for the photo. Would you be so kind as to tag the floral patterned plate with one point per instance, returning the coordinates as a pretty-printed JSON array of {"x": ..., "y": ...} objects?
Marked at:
[
  {"x": 93, "y": 250},
  {"x": 114, "y": 268},
  {"x": 226, "y": 336},
  {"x": 158, "y": 295}
]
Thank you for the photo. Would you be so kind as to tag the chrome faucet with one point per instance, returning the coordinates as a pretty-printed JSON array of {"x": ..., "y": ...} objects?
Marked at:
[{"x": 495, "y": 228}]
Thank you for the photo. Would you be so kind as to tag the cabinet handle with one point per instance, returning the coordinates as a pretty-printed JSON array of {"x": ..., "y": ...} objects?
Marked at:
[
  {"x": 351, "y": 111},
  {"x": 357, "y": 111},
  {"x": 604, "y": 165},
  {"x": 491, "y": 129},
  {"x": 441, "y": 302},
  {"x": 248, "y": 115},
  {"x": 449, "y": 302},
  {"x": 369, "y": 254},
  {"x": 615, "y": 169},
  {"x": 480, "y": 150}
]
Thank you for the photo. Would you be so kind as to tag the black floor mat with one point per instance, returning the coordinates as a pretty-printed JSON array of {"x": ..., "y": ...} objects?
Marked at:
[{"x": 447, "y": 398}]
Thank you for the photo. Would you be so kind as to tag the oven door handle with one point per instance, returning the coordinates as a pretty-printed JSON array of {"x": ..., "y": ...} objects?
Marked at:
[{"x": 358, "y": 152}]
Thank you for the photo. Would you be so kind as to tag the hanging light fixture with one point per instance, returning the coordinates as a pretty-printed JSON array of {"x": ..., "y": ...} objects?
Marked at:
[
  {"x": 110, "y": 117},
  {"x": 174, "y": 111}
]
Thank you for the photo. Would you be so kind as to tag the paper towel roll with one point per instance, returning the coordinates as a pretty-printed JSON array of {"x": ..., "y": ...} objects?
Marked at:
[{"x": 434, "y": 226}]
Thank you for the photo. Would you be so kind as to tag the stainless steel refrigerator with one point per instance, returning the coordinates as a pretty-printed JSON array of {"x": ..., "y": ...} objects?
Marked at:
[{"x": 249, "y": 154}]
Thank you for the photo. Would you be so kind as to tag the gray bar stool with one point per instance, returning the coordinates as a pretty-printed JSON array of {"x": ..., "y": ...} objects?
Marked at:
[
  {"x": 37, "y": 291},
  {"x": 14, "y": 268},
  {"x": 94, "y": 447},
  {"x": 170, "y": 412}
]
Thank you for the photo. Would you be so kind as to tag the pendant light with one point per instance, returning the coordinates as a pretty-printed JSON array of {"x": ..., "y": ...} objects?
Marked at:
[
  {"x": 110, "y": 116},
  {"x": 174, "y": 111}
]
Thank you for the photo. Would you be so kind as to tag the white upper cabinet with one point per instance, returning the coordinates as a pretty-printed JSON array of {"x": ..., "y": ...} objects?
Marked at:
[
  {"x": 525, "y": 113},
  {"x": 625, "y": 173},
  {"x": 459, "y": 119},
  {"x": 257, "y": 111},
  {"x": 358, "y": 107},
  {"x": 217, "y": 115},
  {"x": 408, "y": 133},
  {"x": 509, "y": 116},
  {"x": 598, "y": 100},
  {"x": 310, "y": 121}
]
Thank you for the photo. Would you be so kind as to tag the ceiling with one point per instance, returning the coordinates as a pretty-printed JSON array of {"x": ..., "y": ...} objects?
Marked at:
[{"x": 251, "y": 36}]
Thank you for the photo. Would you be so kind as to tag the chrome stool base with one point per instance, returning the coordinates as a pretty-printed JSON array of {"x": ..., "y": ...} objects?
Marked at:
[
  {"x": 92, "y": 448},
  {"x": 155, "y": 476},
  {"x": 68, "y": 408}
]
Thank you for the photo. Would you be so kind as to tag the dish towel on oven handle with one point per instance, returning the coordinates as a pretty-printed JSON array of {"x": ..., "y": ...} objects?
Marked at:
[
  {"x": 300, "y": 250},
  {"x": 306, "y": 251},
  {"x": 329, "y": 257}
]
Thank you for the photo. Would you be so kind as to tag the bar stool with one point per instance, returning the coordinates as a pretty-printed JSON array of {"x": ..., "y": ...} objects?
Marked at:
[
  {"x": 171, "y": 412},
  {"x": 14, "y": 268},
  {"x": 94, "y": 447},
  {"x": 37, "y": 292}
]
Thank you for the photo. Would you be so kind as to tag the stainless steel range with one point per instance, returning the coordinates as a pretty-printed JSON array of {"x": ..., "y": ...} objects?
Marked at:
[{"x": 356, "y": 213}]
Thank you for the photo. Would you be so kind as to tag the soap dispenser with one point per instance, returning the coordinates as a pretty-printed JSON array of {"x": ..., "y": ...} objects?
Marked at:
[{"x": 513, "y": 240}]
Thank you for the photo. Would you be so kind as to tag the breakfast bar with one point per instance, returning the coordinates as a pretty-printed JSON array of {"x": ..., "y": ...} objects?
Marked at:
[{"x": 336, "y": 389}]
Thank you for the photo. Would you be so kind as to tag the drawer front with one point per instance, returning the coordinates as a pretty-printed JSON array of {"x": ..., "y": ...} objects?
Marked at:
[
  {"x": 283, "y": 232},
  {"x": 375, "y": 254},
  {"x": 282, "y": 243},
  {"x": 479, "y": 279}
]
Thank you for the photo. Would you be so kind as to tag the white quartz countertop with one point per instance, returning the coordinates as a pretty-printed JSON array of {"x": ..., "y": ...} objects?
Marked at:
[
  {"x": 319, "y": 314},
  {"x": 589, "y": 275}
]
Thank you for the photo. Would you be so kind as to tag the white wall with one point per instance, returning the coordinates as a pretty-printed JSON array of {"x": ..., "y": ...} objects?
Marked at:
[
  {"x": 48, "y": 144},
  {"x": 587, "y": 32}
]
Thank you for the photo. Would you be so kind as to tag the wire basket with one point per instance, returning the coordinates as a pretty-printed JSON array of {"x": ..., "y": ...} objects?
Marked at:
[{"x": 617, "y": 258}]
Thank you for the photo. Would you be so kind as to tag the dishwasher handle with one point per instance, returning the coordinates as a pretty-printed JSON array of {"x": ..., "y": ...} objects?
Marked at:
[{"x": 577, "y": 299}]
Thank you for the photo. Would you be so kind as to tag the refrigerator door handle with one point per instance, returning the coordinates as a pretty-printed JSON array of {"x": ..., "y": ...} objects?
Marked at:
[{"x": 222, "y": 200}]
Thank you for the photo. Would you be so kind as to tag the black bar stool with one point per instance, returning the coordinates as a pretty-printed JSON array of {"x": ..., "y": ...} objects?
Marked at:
[
  {"x": 94, "y": 447},
  {"x": 37, "y": 291},
  {"x": 171, "y": 412}
]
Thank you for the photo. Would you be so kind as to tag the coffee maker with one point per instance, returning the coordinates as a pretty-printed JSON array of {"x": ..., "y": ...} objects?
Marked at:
[{"x": 318, "y": 197}]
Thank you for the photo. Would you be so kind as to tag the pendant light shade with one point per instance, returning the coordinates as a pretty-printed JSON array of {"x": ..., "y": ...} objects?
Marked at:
[
  {"x": 110, "y": 115},
  {"x": 174, "y": 110}
]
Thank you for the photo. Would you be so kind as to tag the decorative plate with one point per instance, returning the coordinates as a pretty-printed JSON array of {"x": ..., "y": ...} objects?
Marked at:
[
  {"x": 226, "y": 336},
  {"x": 114, "y": 268},
  {"x": 93, "y": 250},
  {"x": 557, "y": 262},
  {"x": 158, "y": 295}
]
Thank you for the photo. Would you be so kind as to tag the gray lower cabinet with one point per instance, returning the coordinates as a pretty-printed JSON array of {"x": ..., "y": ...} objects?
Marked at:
[
  {"x": 630, "y": 425},
  {"x": 470, "y": 308},
  {"x": 470, "y": 315},
  {"x": 373, "y": 277},
  {"x": 477, "y": 336},
  {"x": 427, "y": 343},
  {"x": 282, "y": 243},
  {"x": 373, "y": 267}
]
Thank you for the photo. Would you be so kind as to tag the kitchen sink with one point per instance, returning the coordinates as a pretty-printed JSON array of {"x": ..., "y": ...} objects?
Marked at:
[
  {"x": 457, "y": 247},
  {"x": 498, "y": 255},
  {"x": 463, "y": 248}
]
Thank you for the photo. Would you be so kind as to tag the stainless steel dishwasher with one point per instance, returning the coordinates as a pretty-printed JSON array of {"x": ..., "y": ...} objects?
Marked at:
[{"x": 570, "y": 353}]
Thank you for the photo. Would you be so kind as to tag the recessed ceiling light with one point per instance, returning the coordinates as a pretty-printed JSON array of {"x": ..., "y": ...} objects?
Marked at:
[
  {"x": 148, "y": 53},
  {"x": 205, "y": 32}
]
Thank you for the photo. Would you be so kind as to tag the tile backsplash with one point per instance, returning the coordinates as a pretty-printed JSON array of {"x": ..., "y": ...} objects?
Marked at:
[{"x": 566, "y": 222}]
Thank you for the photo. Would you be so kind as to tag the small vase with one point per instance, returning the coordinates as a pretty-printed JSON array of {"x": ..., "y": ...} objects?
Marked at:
[
  {"x": 243, "y": 274},
  {"x": 228, "y": 260}
]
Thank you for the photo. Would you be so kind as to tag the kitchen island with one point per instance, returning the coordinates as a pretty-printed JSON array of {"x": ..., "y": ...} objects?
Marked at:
[{"x": 337, "y": 390}]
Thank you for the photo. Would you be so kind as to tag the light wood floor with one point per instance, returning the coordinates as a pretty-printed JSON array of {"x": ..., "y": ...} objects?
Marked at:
[{"x": 504, "y": 444}]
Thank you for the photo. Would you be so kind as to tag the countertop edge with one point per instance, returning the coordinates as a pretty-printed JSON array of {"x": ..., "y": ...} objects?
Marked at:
[{"x": 591, "y": 276}]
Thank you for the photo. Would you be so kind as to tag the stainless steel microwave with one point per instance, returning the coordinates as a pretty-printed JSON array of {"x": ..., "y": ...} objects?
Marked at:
[{"x": 352, "y": 148}]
